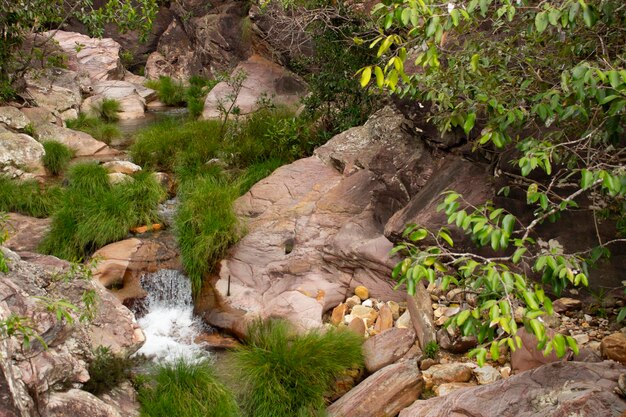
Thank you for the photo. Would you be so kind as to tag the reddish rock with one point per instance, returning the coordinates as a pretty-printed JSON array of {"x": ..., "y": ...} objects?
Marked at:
[
  {"x": 25, "y": 233},
  {"x": 357, "y": 326},
  {"x": 553, "y": 390},
  {"x": 614, "y": 347},
  {"x": 384, "y": 320},
  {"x": 528, "y": 356},
  {"x": 338, "y": 314},
  {"x": 387, "y": 347},
  {"x": 445, "y": 373},
  {"x": 419, "y": 307},
  {"x": 384, "y": 393}
]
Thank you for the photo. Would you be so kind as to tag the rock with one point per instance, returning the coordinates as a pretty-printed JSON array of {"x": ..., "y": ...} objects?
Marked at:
[
  {"x": 614, "y": 347},
  {"x": 455, "y": 343},
  {"x": 387, "y": 347},
  {"x": 123, "y": 398},
  {"x": 217, "y": 341},
  {"x": 20, "y": 151},
  {"x": 528, "y": 356},
  {"x": 78, "y": 403},
  {"x": 505, "y": 372},
  {"x": 427, "y": 363},
  {"x": 421, "y": 315},
  {"x": 447, "y": 388},
  {"x": 556, "y": 389},
  {"x": 13, "y": 118},
  {"x": 263, "y": 79},
  {"x": 39, "y": 115},
  {"x": 368, "y": 303},
  {"x": 98, "y": 57},
  {"x": 123, "y": 167},
  {"x": 404, "y": 321},
  {"x": 384, "y": 393},
  {"x": 131, "y": 97},
  {"x": 338, "y": 314},
  {"x": 368, "y": 314},
  {"x": 362, "y": 292},
  {"x": 118, "y": 178},
  {"x": 353, "y": 301},
  {"x": 357, "y": 326},
  {"x": 384, "y": 320},
  {"x": 82, "y": 143},
  {"x": 486, "y": 374},
  {"x": 581, "y": 339},
  {"x": 56, "y": 90},
  {"x": 564, "y": 304},
  {"x": 444, "y": 373},
  {"x": 25, "y": 233},
  {"x": 395, "y": 309}
]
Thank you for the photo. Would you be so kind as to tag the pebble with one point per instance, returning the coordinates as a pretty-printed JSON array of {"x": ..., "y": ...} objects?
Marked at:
[
  {"x": 368, "y": 303},
  {"x": 505, "y": 371},
  {"x": 362, "y": 292},
  {"x": 581, "y": 339},
  {"x": 404, "y": 321},
  {"x": 353, "y": 301}
]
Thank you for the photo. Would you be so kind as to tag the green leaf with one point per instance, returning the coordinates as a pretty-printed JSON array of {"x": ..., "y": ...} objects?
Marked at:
[
  {"x": 586, "y": 179},
  {"x": 541, "y": 21},
  {"x": 614, "y": 79},
  {"x": 380, "y": 77},
  {"x": 462, "y": 317},
  {"x": 366, "y": 75},
  {"x": 432, "y": 26},
  {"x": 559, "y": 345},
  {"x": 621, "y": 315},
  {"x": 406, "y": 16},
  {"x": 445, "y": 236},
  {"x": 419, "y": 234},
  {"x": 474, "y": 62},
  {"x": 469, "y": 123},
  {"x": 508, "y": 223},
  {"x": 495, "y": 351},
  {"x": 571, "y": 342},
  {"x": 454, "y": 15}
]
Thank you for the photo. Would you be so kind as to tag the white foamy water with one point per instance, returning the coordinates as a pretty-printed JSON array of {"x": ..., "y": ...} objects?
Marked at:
[{"x": 170, "y": 326}]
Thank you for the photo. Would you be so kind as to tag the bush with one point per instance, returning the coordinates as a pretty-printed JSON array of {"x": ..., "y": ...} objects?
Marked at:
[
  {"x": 106, "y": 371},
  {"x": 107, "y": 109},
  {"x": 287, "y": 374},
  {"x": 205, "y": 224},
  {"x": 94, "y": 212},
  {"x": 28, "y": 197},
  {"x": 184, "y": 389},
  {"x": 170, "y": 92},
  {"x": 99, "y": 129},
  {"x": 57, "y": 157}
]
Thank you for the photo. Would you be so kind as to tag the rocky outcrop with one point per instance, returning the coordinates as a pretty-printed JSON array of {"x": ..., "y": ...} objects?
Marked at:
[
  {"x": 13, "y": 118},
  {"x": 555, "y": 390},
  {"x": 263, "y": 79},
  {"x": 384, "y": 393},
  {"x": 132, "y": 98}
]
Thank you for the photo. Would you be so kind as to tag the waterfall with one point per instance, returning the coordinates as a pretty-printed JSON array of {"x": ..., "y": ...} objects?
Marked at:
[{"x": 169, "y": 325}]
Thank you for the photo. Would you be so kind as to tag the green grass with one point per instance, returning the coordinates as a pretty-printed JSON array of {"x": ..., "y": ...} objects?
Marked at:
[
  {"x": 29, "y": 197},
  {"x": 108, "y": 109},
  {"x": 287, "y": 374},
  {"x": 183, "y": 389},
  {"x": 169, "y": 91},
  {"x": 57, "y": 157},
  {"x": 205, "y": 224},
  {"x": 107, "y": 371},
  {"x": 94, "y": 213},
  {"x": 98, "y": 128}
]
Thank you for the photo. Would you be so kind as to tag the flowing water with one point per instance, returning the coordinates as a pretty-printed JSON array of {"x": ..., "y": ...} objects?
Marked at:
[{"x": 169, "y": 325}]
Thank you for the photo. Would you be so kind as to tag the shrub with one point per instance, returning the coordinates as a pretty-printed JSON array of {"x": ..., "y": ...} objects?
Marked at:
[
  {"x": 57, "y": 157},
  {"x": 28, "y": 197},
  {"x": 185, "y": 389},
  {"x": 170, "y": 92},
  {"x": 205, "y": 224},
  {"x": 107, "y": 109},
  {"x": 107, "y": 370},
  {"x": 95, "y": 213},
  {"x": 287, "y": 374}
]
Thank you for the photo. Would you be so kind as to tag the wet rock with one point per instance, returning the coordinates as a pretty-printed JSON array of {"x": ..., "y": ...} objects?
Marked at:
[
  {"x": 263, "y": 79},
  {"x": 387, "y": 347},
  {"x": 384, "y": 393},
  {"x": 444, "y": 373},
  {"x": 614, "y": 347},
  {"x": 556, "y": 389}
]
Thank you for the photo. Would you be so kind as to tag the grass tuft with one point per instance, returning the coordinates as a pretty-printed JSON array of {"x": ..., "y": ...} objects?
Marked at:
[
  {"x": 287, "y": 374},
  {"x": 183, "y": 389},
  {"x": 170, "y": 92},
  {"x": 29, "y": 197},
  {"x": 57, "y": 157},
  {"x": 107, "y": 371},
  {"x": 99, "y": 129},
  {"x": 95, "y": 213},
  {"x": 108, "y": 109}
]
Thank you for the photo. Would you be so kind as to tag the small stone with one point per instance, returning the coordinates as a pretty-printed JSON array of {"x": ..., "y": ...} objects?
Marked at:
[
  {"x": 353, "y": 301},
  {"x": 384, "y": 320},
  {"x": 445, "y": 389},
  {"x": 486, "y": 375},
  {"x": 366, "y": 313},
  {"x": 395, "y": 309},
  {"x": 444, "y": 373},
  {"x": 404, "y": 321},
  {"x": 505, "y": 371},
  {"x": 566, "y": 304},
  {"x": 455, "y": 294},
  {"x": 348, "y": 318},
  {"x": 614, "y": 347},
  {"x": 362, "y": 292},
  {"x": 357, "y": 326},
  {"x": 338, "y": 314},
  {"x": 581, "y": 339},
  {"x": 588, "y": 318},
  {"x": 585, "y": 325},
  {"x": 427, "y": 363},
  {"x": 368, "y": 303}
]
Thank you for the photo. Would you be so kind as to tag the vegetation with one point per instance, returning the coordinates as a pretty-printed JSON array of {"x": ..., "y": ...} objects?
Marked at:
[
  {"x": 29, "y": 197},
  {"x": 107, "y": 370},
  {"x": 287, "y": 374},
  {"x": 171, "y": 92},
  {"x": 174, "y": 93},
  {"x": 96, "y": 127},
  {"x": 107, "y": 109},
  {"x": 4, "y": 236},
  {"x": 431, "y": 349},
  {"x": 94, "y": 213},
  {"x": 57, "y": 157},
  {"x": 525, "y": 80},
  {"x": 184, "y": 389}
]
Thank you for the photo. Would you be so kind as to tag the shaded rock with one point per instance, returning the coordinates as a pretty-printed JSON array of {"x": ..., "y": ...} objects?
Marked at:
[
  {"x": 427, "y": 363},
  {"x": 447, "y": 388},
  {"x": 78, "y": 403},
  {"x": 18, "y": 150},
  {"x": 614, "y": 347},
  {"x": 444, "y": 373},
  {"x": 25, "y": 233},
  {"x": 123, "y": 398},
  {"x": 58, "y": 91},
  {"x": 175, "y": 57},
  {"x": 553, "y": 390},
  {"x": 263, "y": 79},
  {"x": 455, "y": 343},
  {"x": 384, "y": 393},
  {"x": 13, "y": 118},
  {"x": 387, "y": 347},
  {"x": 357, "y": 326},
  {"x": 404, "y": 321},
  {"x": 353, "y": 301},
  {"x": 217, "y": 341},
  {"x": 82, "y": 143},
  {"x": 97, "y": 57}
]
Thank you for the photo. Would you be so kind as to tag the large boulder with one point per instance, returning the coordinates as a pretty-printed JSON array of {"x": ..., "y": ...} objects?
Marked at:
[
  {"x": 13, "y": 118},
  {"x": 332, "y": 207},
  {"x": 20, "y": 151},
  {"x": 263, "y": 78},
  {"x": 132, "y": 98},
  {"x": 57, "y": 90},
  {"x": 25, "y": 233},
  {"x": 82, "y": 143},
  {"x": 77, "y": 403},
  {"x": 384, "y": 393},
  {"x": 554, "y": 390}
]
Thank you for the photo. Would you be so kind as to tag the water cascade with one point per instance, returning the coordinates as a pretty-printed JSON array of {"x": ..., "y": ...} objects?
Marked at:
[{"x": 169, "y": 324}]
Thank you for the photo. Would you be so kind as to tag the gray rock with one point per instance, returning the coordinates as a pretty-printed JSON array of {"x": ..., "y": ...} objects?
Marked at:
[
  {"x": 13, "y": 118},
  {"x": 20, "y": 151}
]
